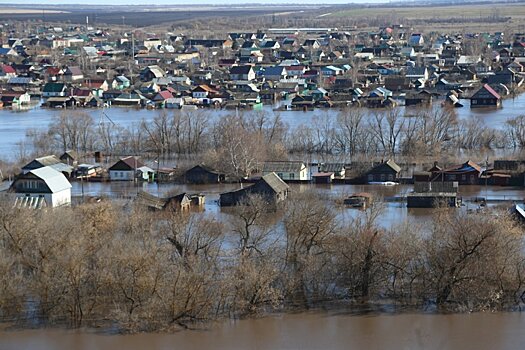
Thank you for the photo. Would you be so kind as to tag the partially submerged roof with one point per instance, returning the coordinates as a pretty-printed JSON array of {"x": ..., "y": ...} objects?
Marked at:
[
  {"x": 275, "y": 182},
  {"x": 160, "y": 203}
]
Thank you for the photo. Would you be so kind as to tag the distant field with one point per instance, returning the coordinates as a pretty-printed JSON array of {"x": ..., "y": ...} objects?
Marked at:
[
  {"x": 11, "y": 11},
  {"x": 140, "y": 15},
  {"x": 504, "y": 10},
  {"x": 134, "y": 18}
]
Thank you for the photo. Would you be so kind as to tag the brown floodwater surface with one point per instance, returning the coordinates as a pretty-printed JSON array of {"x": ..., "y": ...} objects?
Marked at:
[{"x": 316, "y": 330}]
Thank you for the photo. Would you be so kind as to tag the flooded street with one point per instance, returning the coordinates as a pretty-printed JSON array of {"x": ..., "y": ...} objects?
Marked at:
[{"x": 316, "y": 330}]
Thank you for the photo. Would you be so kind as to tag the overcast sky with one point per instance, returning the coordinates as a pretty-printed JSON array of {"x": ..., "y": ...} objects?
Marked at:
[{"x": 193, "y": 2}]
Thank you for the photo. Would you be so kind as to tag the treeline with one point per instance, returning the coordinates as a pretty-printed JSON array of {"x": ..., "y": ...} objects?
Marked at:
[
  {"x": 238, "y": 144},
  {"x": 130, "y": 270}
]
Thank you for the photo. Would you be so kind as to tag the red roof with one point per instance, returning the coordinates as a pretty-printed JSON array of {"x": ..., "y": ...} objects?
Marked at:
[
  {"x": 81, "y": 92},
  {"x": 295, "y": 68},
  {"x": 94, "y": 83},
  {"x": 53, "y": 70},
  {"x": 8, "y": 69},
  {"x": 165, "y": 95},
  {"x": 491, "y": 91}
]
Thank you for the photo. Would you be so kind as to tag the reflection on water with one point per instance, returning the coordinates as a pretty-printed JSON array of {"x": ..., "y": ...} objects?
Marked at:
[
  {"x": 15, "y": 123},
  {"x": 315, "y": 330}
]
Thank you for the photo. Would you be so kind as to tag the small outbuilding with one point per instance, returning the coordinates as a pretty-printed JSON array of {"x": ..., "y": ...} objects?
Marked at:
[
  {"x": 202, "y": 174},
  {"x": 359, "y": 200},
  {"x": 179, "y": 202},
  {"x": 323, "y": 178},
  {"x": 270, "y": 187}
]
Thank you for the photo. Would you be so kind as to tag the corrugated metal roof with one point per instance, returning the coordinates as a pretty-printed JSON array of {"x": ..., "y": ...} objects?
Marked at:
[
  {"x": 55, "y": 180},
  {"x": 283, "y": 167}
]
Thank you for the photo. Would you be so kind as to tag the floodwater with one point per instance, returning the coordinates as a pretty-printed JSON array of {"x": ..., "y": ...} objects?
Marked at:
[
  {"x": 15, "y": 123},
  {"x": 313, "y": 330},
  {"x": 393, "y": 212}
]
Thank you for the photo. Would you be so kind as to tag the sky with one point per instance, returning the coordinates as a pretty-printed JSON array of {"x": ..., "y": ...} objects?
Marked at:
[{"x": 174, "y": 2}]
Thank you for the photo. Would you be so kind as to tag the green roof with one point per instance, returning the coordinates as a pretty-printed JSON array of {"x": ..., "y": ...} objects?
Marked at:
[{"x": 53, "y": 87}]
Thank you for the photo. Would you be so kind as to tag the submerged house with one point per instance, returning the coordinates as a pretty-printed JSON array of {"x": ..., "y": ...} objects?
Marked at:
[
  {"x": 485, "y": 97},
  {"x": 127, "y": 169},
  {"x": 420, "y": 98},
  {"x": 202, "y": 174},
  {"x": 467, "y": 173},
  {"x": 385, "y": 171},
  {"x": 287, "y": 171},
  {"x": 270, "y": 187},
  {"x": 179, "y": 202},
  {"x": 42, "y": 187},
  {"x": 434, "y": 194}
]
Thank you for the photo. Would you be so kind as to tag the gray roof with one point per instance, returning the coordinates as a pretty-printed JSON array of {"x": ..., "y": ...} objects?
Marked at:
[
  {"x": 56, "y": 181},
  {"x": 277, "y": 70},
  {"x": 393, "y": 165},
  {"x": 20, "y": 80},
  {"x": 283, "y": 167},
  {"x": 48, "y": 160},
  {"x": 332, "y": 167},
  {"x": 416, "y": 71},
  {"x": 275, "y": 182}
]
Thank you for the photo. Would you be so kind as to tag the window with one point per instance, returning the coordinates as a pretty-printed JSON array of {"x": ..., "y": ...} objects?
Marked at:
[
  {"x": 383, "y": 177},
  {"x": 463, "y": 177},
  {"x": 370, "y": 177},
  {"x": 390, "y": 177},
  {"x": 292, "y": 176},
  {"x": 280, "y": 175}
]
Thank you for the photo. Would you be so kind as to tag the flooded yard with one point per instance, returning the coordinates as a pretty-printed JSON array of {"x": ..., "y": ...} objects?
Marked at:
[{"x": 394, "y": 210}]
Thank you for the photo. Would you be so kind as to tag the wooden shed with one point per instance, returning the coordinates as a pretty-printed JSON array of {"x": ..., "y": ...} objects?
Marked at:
[
  {"x": 270, "y": 187},
  {"x": 202, "y": 174}
]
